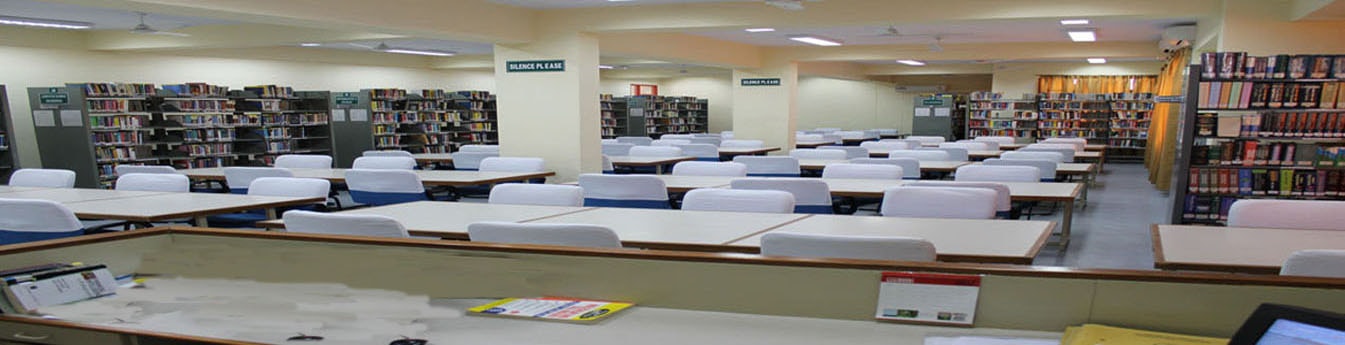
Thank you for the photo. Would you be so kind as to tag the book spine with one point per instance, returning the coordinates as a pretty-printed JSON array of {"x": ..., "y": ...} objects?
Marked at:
[{"x": 1245, "y": 181}]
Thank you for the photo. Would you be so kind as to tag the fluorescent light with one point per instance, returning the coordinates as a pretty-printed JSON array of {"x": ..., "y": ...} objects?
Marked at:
[
  {"x": 45, "y": 23},
  {"x": 1097, "y": 60},
  {"x": 1074, "y": 22},
  {"x": 759, "y": 29},
  {"x": 418, "y": 52},
  {"x": 911, "y": 62},
  {"x": 814, "y": 40},
  {"x": 605, "y": 67},
  {"x": 1083, "y": 36},
  {"x": 310, "y": 44}
]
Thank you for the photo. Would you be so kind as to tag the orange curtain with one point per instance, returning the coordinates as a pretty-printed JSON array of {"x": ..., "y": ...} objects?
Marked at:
[
  {"x": 1096, "y": 83},
  {"x": 1162, "y": 144}
]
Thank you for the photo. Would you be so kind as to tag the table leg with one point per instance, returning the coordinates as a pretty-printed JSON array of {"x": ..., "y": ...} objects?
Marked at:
[
  {"x": 201, "y": 221},
  {"x": 270, "y": 213},
  {"x": 658, "y": 169},
  {"x": 1065, "y": 223},
  {"x": 1087, "y": 182}
]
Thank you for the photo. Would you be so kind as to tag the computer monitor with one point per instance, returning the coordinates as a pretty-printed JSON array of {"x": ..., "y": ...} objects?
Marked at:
[{"x": 1275, "y": 324}]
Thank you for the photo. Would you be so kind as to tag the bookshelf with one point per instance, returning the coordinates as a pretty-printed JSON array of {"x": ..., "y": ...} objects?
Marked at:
[
  {"x": 614, "y": 118},
  {"x": 990, "y": 114},
  {"x": 275, "y": 120},
  {"x": 90, "y": 128},
  {"x": 477, "y": 118},
  {"x": 1071, "y": 115},
  {"x": 1131, "y": 114},
  {"x": 351, "y": 127},
  {"x": 667, "y": 115},
  {"x": 8, "y": 151},
  {"x": 1258, "y": 127}
]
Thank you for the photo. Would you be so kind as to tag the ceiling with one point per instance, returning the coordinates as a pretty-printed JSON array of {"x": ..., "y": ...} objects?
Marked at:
[
  {"x": 102, "y": 18},
  {"x": 1002, "y": 31},
  {"x": 544, "y": 4},
  {"x": 459, "y": 47}
]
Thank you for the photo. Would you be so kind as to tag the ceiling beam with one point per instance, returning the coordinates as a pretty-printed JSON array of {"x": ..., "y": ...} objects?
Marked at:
[
  {"x": 225, "y": 36},
  {"x": 680, "y": 48},
  {"x": 934, "y": 69},
  {"x": 969, "y": 51}
]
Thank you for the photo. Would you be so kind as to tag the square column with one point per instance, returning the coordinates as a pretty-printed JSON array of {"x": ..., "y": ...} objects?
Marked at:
[
  {"x": 765, "y": 104},
  {"x": 548, "y": 103}
]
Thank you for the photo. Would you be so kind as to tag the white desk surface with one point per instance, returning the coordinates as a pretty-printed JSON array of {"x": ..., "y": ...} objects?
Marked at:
[
  {"x": 677, "y": 228},
  {"x": 450, "y": 219},
  {"x": 860, "y": 187},
  {"x": 1252, "y": 250},
  {"x": 646, "y": 161},
  {"x": 682, "y": 183},
  {"x": 812, "y": 144},
  {"x": 7, "y": 189},
  {"x": 1009, "y": 241},
  {"x": 1088, "y": 147},
  {"x": 177, "y": 205},
  {"x": 730, "y": 151},
  {"x": 1089, "y": 154},
  {"x": 428, "y": 177},
  {"x": 433, "y": 157},
  {"x": 1070, "y": 168},
  {"x": 1024, "y": 191},
  {"x": 73, "y": 195},
  {"x": 927, "y": 166},
  {"x": 879, "y": 153}
]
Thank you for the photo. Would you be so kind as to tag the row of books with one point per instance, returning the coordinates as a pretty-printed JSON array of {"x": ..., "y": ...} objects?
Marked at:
[
  {"x": 1275, "y": 95},
  {"x": 481, "y": 126},
  {"x": 1131, "y": 115},
  {"x": 197, "y": 90},
  {"x": 1016, "y": 115},
  {"x": 106, "y": 138},
  {"x": 270, "y": 91},
  {"x": 107, "y": 154},
  {"x": 1149, "y": 105},
  {"x": 1206, "y": 208},
  {"x": 1002, "y": 105},
  {"x": 118, "y": 90},
  {"x": 278, "y": 147},
  {"x": 207, "y": 149},
  {"x": 1072, "y": 115},
  {"x": 115, "y": 105},
  {"x": 1070, "y": 96},
  {"x": 480, "y": 95},
  {"x": 1017, "y": 133},
  {"x": 28, "y": 288},
  {"x": 200, "y": 105},
  {"x": 199, "y": 162},
  {"x": 387, "y": 142},
  {"x": 1078, "y": 125},
  {"x": 433, "y": 94},
  {"x": 117, "y": 122},
  {"x": 387, "y": 94},
  {"x": 1089, "y": 106},
  {"x": 208, "y": 135},
  {"x": 1072, "y": 133},
  {"x": 1125, "y": 124},
  {"x": 1240, "y": 65},
  {"x": 1255, "y": 153},
  {"x": 1267, "y": 182},
  {"x": 1276, "y": 124}
]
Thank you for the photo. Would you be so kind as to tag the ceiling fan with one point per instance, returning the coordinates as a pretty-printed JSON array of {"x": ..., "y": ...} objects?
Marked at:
[
  {"x": 936, "y": 46},
  {"x": 145, "y": 29}
]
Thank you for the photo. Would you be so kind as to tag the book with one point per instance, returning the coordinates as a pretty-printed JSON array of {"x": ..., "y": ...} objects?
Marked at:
[
  {"x": 1230, "y": 126},
  {"x": 1329, "y": 93},
  {"x": 1227, "y": 64},
  {"x": 1321, "y": 67},
  {"x": 1209, "y": 65},
  {"x": 551, "y": 309},
  {"x": 27, "y": 293},
  {"x": 1298, "y": 66}
]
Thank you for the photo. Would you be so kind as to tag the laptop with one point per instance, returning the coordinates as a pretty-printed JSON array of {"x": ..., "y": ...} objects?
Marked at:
[{"x": 1276, "y": 324}]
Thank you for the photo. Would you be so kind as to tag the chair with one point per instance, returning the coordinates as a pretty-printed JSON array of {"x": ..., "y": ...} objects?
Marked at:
[
  {"x": 827, "y": 129},
  {"x": 536, "y": 194},
  {"x": 778, "y": 166},
  {"x": 1315, "y": 263},
  {"x": 826, "y": 154},
  {"x": 480, "y": 148},
  {"x": 305, "y": 161},
  {"x": 710, "y": 169},
  {"x": 1288, "y": 214},
  {"x": 46, "y": 178},
  {"x": 617, "y": 149},
  {"x": 1080, "y": 144},
  {"x": 238, "y": 179},
  {"x": 920, "y": 155},
  {"x": 910, "y": 167},
  {"x": 956, "y": 154},
  {"x": 1045, "y": 167},
  {"x": 742, "y": 144},
  {"x": 145, "y": 169},
  {"x": 1066, "y": 152},
  {"x": 610, "y": 141},
  {"x": 927, "y": 140},
  {"x": 738, "y": 200},
  {"x": 726, "y": 135},
  {"x": 634, "y": 191},
  {"x": 27, "y": 220},
  {"x": 1042, "y": 155},
  {"x": 862, "y": 171},
  {"x": 808, "y": 137},
  {"x": 939, "y": 202},
  {"x": 810, "y": 195},
  {"x": 513, "y": 164},
  {"x": 573, "y": 235},
  {"x": 872, "y": 134},
  {"x": 893, "y": 248},
  {"x": 1000, "y": 140},
  {"x": 657, "y": 151},
  {"x": 1003, "y": 199},
  {"x": 177, "y": 183},
  {"x": 851, "y": 135},
  {"x": 702, "y": 152},
  {"x": 677, "y": 136},
  {"x": 470, "y": 161},
  {"x": 988, "y": 145},
  {"x": 707, "y": 141},
  {"x": 343, "y": 224},
  {"x": 384, "y": 187},
  {"x": 992, "y": 173},
  {"x": 637, "y": 141},
  {"x": 851, "y": 152},
  {"x": 886, "y": 132},
  {"x": 707, "y": 135},
  {"x": 607, "y": 167},
  {"x": 670, "y": 142},
  {"x": 386, "y": 153},
  {"x": 971, "y": 146},
  {"x": 398, "y": 163},
  {"x": 885, "y": 146},
  {"x": 273, "y": 186}
]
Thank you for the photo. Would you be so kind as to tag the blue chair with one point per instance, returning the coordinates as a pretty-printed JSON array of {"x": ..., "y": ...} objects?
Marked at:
[
  {"x": 274, "y": 186},
  {"x": 810, "y": 195},
  {"x": 770, "y": 166},
  {"x": 384, "y": 187},
  {"x": 238, "y": 179},
  {"x": 28, "y": 220},
  {"x": 632, "y": 191}
]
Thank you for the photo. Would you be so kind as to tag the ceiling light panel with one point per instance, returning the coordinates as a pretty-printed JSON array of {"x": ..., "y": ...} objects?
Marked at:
[
  {"x": 45, "y": 23},
  {"x": 1082, "y": 35},
  {"x": 759, "y": 29},
  {"x": 1074, "y": 22},
  {"x": 1097, "y": 60},
  {"x": 819, "y": 41},
  {"x": 911, "y": 62}
]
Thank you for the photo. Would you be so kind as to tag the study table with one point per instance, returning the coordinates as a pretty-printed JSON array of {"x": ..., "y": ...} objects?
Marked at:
[
  {"x": 925, "y": 166},
  {"x": 730, "y": 152},
  {"x": 448, "y": 219},
  {"x": 965, "y": 240},
  {"x": 812, "y": 144},
  {"x": 645, "y": 161},
  {"x": 432, "y": 157},
  {"x": 974, "y": 155},
  {"x": 428, "y": 177},
  {"x": 148, "y": 207},
  {"x": 7, "y": 189},
  {"x": 1234, "y": 249},
  {"x": 69, "y": 195},
  {"x": 1088, "y": 147}
]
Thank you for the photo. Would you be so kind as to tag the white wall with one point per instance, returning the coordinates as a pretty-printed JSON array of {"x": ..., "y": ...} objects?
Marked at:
[
  {"x": 1016, "y": 79},
  {"x": 717, "y": 90},
  {"x": 21, "y": 68},
  {"x": 853, "y": 104}
]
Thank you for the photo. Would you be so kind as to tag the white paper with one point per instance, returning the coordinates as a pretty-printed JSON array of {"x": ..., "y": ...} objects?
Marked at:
[
  {"x": 943, "y": 112},
  {"x": 904, "y": 298},
  {"x": 922, "y": 112},
  {"x": 44, "y": 118},
  {"x": 339, "y": 115},
  {"x": 72, "y": 118},
  {"x": 359, "y": 115}
]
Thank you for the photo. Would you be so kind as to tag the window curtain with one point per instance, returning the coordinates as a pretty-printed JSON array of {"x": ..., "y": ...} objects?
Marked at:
[
  {"x": 1096, "y": 83},
  {"x": 1162, "y": 144}
]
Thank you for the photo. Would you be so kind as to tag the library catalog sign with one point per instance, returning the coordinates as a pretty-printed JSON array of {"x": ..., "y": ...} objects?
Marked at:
[
  {"x": 535, "y": 66},
  {"x": 53, "y": 98},
  {"x": 760, "y": 82}
]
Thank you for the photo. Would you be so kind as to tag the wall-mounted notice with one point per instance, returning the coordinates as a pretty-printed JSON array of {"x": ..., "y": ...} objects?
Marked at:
[
  {"x": 345, "y": 98},
  {"x": 535, "y": 66},
  {"x": 338, "y": 115},
  {"x": 54, "y": 98},
  {"x": 359, "y": 115},
  {"x": 760, "y": 82},
  {"x": 922, "y": 112},
  {"x": 928, "y": 298},
  {"x": 44, "y": 118},
  {"x": 72, "y": 118}
]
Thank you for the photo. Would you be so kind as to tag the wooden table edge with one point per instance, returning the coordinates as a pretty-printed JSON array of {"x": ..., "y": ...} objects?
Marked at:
[
  {"x": 521, "y": 177},
  {"x": 1041, "y": 240},
  {"x": 209, "y": 212},
  {"x": 769, "y": 228}
]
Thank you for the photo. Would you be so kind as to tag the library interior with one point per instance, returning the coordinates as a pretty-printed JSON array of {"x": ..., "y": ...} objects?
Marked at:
[{"x": 715, "y": 171}]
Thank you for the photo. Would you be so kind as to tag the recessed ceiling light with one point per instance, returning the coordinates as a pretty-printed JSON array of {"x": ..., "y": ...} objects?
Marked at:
[
  {"x": 1083, "y": 36},
  {"x": 605, "y": 67},
  {"x": 1097, "y": 60},
  {"x": 759, "y": 29},
  {"x": 1074, "y": 22},
  {"x": 911, "y": 62},
  {"x": 814, "y": 40},
  {"x": 45, "y": 23},
  {"x": 310, "y": 44}
]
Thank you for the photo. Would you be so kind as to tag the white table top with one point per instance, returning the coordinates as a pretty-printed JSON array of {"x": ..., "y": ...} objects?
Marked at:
[
  {"x": 71, "y": 195},
  {"x": 433, "y": 157},
  {"x": 682, "y": 183},
  {"x": 644, "y": 161},
  {"x": 1088, "y": 147},
  {"x": 973, "y": 154},
  {"x": 1010, "y": 241},
  {"x": 928, "y": 166},
  {"x": 860, "y": 187},
  {"x": 1070, "y": 168},
  {"x": 1252, "y": 250},
  {"x": 450, "y": 219},
  {"x": 747, "y": 150},
  {"x": 7, "y": 189},
  {"x": 428, "y": 177},
  {"x": 676, "y": 228},
  {"x": 177, "y": 205},
  {"x": 811, "y": 144}
]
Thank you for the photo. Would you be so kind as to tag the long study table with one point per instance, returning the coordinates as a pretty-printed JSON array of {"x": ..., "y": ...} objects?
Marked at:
[
  {"x": 428, "y": 177},
  {"x": 925, "y": 166},
  {"x": 156, "y": 206},
  {"x": 1233, "y": 249},
  {"x": 645, "y": 161}
]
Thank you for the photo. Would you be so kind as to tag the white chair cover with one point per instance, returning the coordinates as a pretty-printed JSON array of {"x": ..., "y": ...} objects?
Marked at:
[
  {"x": 513, "y": 164},
  {"x": 910, "y": 167},
  {"x": 1288, "y": 214},
  {"x": 1042, "y": 155},
  {"x": 290, "y": 187},
  {"x": 343, "y": 224},
  {"x": 850, "y": 151},
  {"x": 656, "y": 151},
  {"x": 710, "y": 169},
  {"x": 1045, "y": 167},
  {"x": 470, "y": 160},
  {"x": 885, "y": 146},
  {"x": 398, "y": 163},
  {"x": 738, "y": 200},
  {"x": 1000, "y": 140},
  {"x": 385, "y": 153},
  {"x": 48, "y": 178},
  {"x": 704, "y": 151},
  {"x": 742, "y": 144},
  {"x": 998, "y": 173},
  {"x": 536, "y": 194},
  {"x": 303, "y": 162},
  {"x": 242, "y": 177},
  {"x": 971, "y": 146},
  {"x": 1315, "y": 263},
  {"x": 927, "y": 139},
  {"x": 863, "y": 171},
  {"x": 670, "y": 142},
  {"x": 707, "y": 141},
  {"x": 988, "y": 145},
  {"x": 35, "y": 215},
  {"x": 892, "y": 248},
  {"x": 1066, "y": 152},
  {"x": 384, "y": 181},
  {"x": 956, "y": 154},
  {"x": 480, "y": 148},
  {"x": 818, "y": 154},
  {"x": 939, "y": 202},
  {"x": 1003, "y": 200},
  {"x": 623, "y": 187},
  {"x": 637, "y": 141},
  {"x": 154, "y": 183},
  {"x": 770, "y": 165},
  {"x": 807, "y": 191},
  {"x": 574, "y": 235},
  {"x": 920, "y": 155}
]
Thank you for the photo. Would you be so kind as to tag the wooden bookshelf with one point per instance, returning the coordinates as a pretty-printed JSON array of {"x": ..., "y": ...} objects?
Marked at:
[
  {"x": 990, "y": 114},
  {"x": 8, "y": 151},
  {"x": 614, "y": 117}
]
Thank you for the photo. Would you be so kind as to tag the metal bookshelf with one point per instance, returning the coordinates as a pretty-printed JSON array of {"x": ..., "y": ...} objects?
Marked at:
[
  {"x": 614, "y": 118},
  {"x": 8, "y": 151},
  {"x": 1070, "y": 115},
  {"x": 989, "y": 114}
]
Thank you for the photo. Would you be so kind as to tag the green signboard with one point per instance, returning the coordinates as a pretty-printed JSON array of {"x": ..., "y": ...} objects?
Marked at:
[
  {"x": 346, "y": 98},
  {"x": 535, "y": 66},
  {"x": 53, "y": 96},
  {"x": 932, "y": 101},
  {"x": 760, "y": 82}
]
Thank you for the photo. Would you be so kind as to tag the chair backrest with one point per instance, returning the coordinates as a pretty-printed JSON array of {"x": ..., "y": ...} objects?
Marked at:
[
  {"x": 810, "y": 195},
  {"x": 1000, "y": 140},
  {"x": 480, "y": 148},
  {"x": 808, "y": 137},
  {"x": 470, "y": 160},
  {"x": 923, "y": 139},
  {"x": 290, "y": 187},
  {"x": 912, "y": 143},
  {"x": 513, "y": 164},
  {"x": 656, "y": 151},
  {"x": 956, "y": 154},
  {"x": 707, "y": 135},
  {"x": 997, "y": 173},
  {"x": 607, "y": 166},
  {"x": 827, "y": 129},
  {"x": 1080, "y": 144},
  {"x": 1045, "y": 167},
  {"x": 145, "y": 169},
  {"x": 610, "y": 141},
  {"x": 738, "y": 200},
  {"x": 384, "y": 187},
  {"x": 920, "y": 155},
  {"x": 48, "y": 178},
  {"x": 676, "y": 136},
  {"x": 27, "y": 220},
  {"x": 831, "y": 138},
  {"x": 742, "y": 143},
  {"x": 779, "y": 166},
  {"x": 1057, "y": 145},
  {"x": 154, "y": 183},
  {"x": 637, "y": 141},
  {"x": 1315, "y": 263},
  {"x": 238, "y": 179},
  {"x": 892, "y": 248},
  {"x": 939, "y": 202},
  {"x": 704, "y": 152},
  {"x": 343, "y": 224},
  {"x": 573, "y": 235},
  {"x": 385, "y": 153},
  {"x": 818, "y": 154},
  {"x": 536, "y": 194},
  {"x": 726, "y": 135},
  {"x": 1288, "y": 214},
  {"x": 710, "y": 169},
  {"x": 304, "y": 161},
  {"x": 398, "y": 163},
  {"x": 885, "y": 146},
  {"x": 986, "y": 145},
  {"x": 1066, "y": 153},
  {"x": 910, "y": 167},
  {"x": 851, "y": 134},
  {"x": 886, "y": 131},
  {"x": 636, "y": 191},
  {"x": 872, "y": 134},
  {"x": 670, "y": 142},
  {"x": 970, "y": 146},
  {"x": 850, "y": 151},
  {"x": 1003, "y": 200},
  {"x": 1042, "y": 155},
  {"x": 863, "y": 171},
  {"x": 707, "y": 141}
]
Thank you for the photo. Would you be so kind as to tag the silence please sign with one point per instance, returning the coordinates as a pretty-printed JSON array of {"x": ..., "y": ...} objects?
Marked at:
[
  {"x": 760, "y": 82},
  {"x": 535, "y": 66}
]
